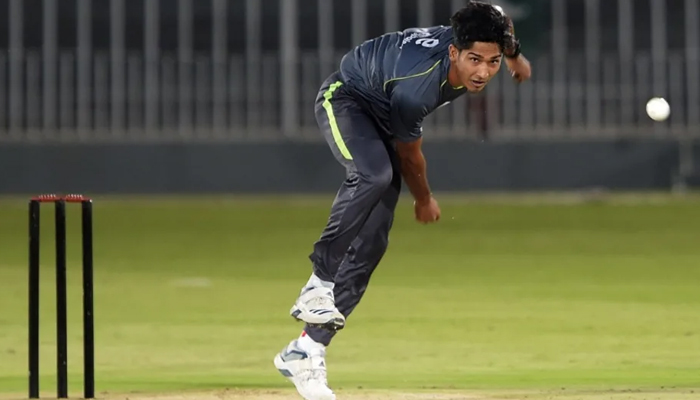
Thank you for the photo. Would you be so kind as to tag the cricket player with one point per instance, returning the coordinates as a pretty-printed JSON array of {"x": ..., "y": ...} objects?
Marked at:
[{"x": 370, "y": 112}]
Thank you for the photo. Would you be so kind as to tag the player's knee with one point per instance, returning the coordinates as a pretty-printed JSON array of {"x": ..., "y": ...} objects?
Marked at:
[
  {"x": 380, "y": 180},
  {"x": 380, "y": 245}
]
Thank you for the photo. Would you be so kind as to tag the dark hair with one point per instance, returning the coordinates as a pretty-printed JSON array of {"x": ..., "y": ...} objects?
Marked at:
[{"x": 481, "y": 22}]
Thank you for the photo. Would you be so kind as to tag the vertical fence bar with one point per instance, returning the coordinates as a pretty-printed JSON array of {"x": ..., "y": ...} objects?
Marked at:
[
  {"x": 219, "y": 50},
  {"x": 593, "y": 106},
  {"x": 425, "y": 19},
  {"x": 458, "y": 119},
  {"x": 236, "y": 91},
  {"x": 309, "y": 87},
  {"x": 84, "y": 81},
  {"x": 425, "y": 13},
  {"x": 675, "y": 89},
  {"x": 50, "y": 64},
  {"x": 692, "y": 83},
  {"x": 33, "y": 93},
  {"x": 168, "y": 93},
  {"x": 202, "y": 95},
  {"x": 526, "y": 99},
  {"x": 184, "y": 23},
  {"x": 559, "y": 58},
  {"x": 509, "y": 105},
  {"x": 625, "y": 48},
  {"x": 16, "y": 55},
  {"x": 658, "y": 45},
  {"x": 359, "y": 21},
  {"x": 290, "y": 67},
  {"x": 692, "y": 59},
  {"x": 118, "y": 87},
  {"x": 67, "y": 91},
  {"x": 101, "y": 91},
  {"x": 253, "y": 51},
  {"x": 575, "y": 98},
  {"x": 270, "y": 88},
  {"x": 3, "y": 90},
  {"x": 456, "y": 5},
  {"x": 610, "y": 93},
  {"x": 543, "y": 94},
  {"x": 392, "y": 14},
  {"x": 643, "y": 76},
  {"x": 152, "y": 57},
  {"x": 135, "y": 87},
  {"x": 658, "y": 52},
  {"x": 325, "y": 38}
]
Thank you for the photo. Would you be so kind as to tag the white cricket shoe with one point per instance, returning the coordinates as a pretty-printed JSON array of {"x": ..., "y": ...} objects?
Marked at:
[
  {"x": 316, "y": 307},
  {"x": 306, "y": 370}
]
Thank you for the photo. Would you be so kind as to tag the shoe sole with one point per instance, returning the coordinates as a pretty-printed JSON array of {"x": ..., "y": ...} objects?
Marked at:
[{"x": 334, "y": 324}]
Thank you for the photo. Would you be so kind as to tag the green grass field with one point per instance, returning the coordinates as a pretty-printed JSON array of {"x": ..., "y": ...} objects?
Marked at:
[{"x": 502, "y": 299}]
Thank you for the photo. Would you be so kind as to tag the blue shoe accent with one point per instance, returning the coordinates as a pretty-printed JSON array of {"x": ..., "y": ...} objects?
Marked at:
[
  {"x": 285, "y": 372},
  {"x": 289, "y": 355},
  {"x": 307, "y": 289}
]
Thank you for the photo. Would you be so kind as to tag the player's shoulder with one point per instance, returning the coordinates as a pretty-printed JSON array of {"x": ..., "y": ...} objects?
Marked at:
[
  {"x": 421, "y": 48},
  {"x": 428, "y": 40}
]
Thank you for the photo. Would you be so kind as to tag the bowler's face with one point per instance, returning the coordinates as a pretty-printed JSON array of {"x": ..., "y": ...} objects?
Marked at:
[{"x": 476, "y": 66}]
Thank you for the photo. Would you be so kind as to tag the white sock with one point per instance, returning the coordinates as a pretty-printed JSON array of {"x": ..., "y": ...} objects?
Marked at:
[
  {"x": 315, "y": 281},
  {"x": 307, "y": 344}
]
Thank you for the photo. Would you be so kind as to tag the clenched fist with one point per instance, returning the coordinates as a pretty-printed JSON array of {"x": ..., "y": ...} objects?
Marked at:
[{"x": 427, "y": 211}]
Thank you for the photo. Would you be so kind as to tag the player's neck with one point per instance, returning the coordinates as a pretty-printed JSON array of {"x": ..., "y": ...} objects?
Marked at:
[{"x": 453, "y": 78}]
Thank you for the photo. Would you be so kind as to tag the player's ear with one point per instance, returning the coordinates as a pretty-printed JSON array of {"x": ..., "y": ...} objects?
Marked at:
[{"x": 453, "y": 53}]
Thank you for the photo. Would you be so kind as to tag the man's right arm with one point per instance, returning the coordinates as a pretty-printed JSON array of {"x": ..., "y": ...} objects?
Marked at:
[
  {"x": 414, "y": 169},
  {"x": 406, "y": 118}
]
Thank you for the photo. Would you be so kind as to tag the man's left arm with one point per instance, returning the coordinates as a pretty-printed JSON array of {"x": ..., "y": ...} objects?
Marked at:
[
  {"x": 517, "y": 64},
  {"x": 519, "y": 68}
]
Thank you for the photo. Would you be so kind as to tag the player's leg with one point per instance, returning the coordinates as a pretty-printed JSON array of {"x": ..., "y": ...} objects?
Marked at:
[
  {"x": 303, "y": 360},
  {"x": 305, "y": 356},
  {"x": 357, "y": 145},
  {"x": 369, "y": 173},
  {"x": 365, "y": 253}
]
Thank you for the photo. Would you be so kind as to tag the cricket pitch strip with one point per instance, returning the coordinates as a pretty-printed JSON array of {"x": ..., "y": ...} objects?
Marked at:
[{"x": 354, "y": 394}]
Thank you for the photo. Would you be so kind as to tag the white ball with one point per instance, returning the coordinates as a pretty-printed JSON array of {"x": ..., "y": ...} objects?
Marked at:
[{"x": 658, "y": 109}]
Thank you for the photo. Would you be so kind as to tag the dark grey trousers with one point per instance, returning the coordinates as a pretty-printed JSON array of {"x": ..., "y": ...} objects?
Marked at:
[{"x": 357, "y": 233}]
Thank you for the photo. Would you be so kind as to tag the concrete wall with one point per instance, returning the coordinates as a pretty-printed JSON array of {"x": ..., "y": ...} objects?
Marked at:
[{"x": 287, "y": 167}]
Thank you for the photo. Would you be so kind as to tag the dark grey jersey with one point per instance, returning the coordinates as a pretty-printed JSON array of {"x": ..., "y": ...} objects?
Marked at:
[{"x": 401, "y": 77}]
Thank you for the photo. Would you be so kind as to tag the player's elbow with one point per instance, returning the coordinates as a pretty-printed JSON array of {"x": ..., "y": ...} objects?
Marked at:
[{"x": 410, "y": 151}]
